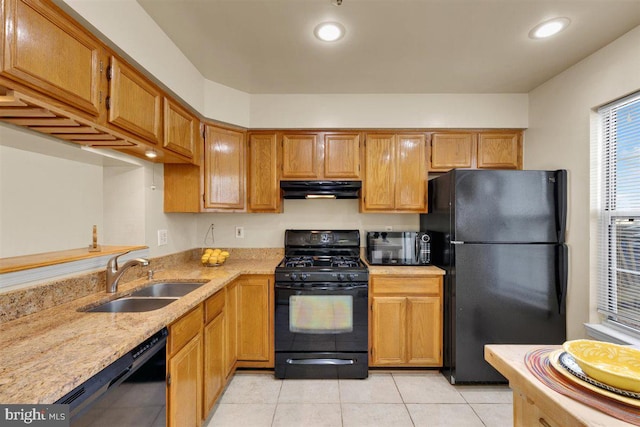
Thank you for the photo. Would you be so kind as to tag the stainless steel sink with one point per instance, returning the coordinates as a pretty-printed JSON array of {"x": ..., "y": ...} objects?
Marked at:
[
  {"x": 132, "y": 305},
  {"x": 167, "y": 289}
]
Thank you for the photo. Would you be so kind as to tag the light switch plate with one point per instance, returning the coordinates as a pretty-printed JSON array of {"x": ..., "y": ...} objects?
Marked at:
[
  {"x": 163, "y": 237},
  {"x": 239, "y": 232}
]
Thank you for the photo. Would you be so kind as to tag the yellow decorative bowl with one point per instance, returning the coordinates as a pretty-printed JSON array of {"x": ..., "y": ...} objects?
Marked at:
[{"x": 611, "y": 364}]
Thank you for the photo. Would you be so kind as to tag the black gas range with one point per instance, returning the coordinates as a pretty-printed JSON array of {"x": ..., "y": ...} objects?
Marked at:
[{"x": 321, "y": 317}]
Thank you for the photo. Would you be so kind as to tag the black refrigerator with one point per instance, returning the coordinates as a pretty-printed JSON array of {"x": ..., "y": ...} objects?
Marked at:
[{"x": 499, "y": 235}]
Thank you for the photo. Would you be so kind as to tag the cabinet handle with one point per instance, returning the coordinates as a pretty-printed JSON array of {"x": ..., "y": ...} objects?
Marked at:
[
  {"x": 107, "y": 102},
  {"x": 544, "y": 422}
]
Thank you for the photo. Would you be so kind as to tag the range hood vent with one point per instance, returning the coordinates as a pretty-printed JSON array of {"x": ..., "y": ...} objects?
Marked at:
[{"x": 320, "y": 189}]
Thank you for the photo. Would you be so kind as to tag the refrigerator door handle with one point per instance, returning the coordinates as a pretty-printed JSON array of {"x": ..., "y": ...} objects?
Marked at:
[
  {"x": 561, "y": 204},
  {"x": 457, "y": 242},
  {"x": 562, "y": 269}
]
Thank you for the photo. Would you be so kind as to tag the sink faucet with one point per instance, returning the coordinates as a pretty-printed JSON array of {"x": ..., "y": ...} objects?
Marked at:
[{"x": 114, "y": 273}]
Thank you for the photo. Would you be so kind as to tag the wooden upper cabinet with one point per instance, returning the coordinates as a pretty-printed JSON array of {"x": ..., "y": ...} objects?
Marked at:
[
  {"x": 48, "y": 52},
  {"x": 342, "y": 156},
  {"x": 411, "y": 173},
  {"x": 180, "y": 130},
  {"x": 395, "y": 173},
  {"x": 500, "y": 150},
  {"x": 299, "y": 156},
  {"x": 379, "y": 178},
  {"x": 224, "y": 159},
  {"x": 320, "y": 156},
  {"x": 452, "y": 150},
  {"x": 135, "y": 104},
  {"x": 263, "y": 185}
]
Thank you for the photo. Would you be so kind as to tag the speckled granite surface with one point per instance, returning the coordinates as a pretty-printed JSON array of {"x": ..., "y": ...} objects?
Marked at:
[{"x": 46, "y": 354}]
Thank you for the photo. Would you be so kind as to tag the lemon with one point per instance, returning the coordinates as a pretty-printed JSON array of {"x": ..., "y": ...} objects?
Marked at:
[
  {"x": 225, "y": 253},
  {"x": 208, "y": 251}
]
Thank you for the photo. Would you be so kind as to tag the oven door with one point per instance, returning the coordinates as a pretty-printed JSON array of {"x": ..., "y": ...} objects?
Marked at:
[{"x": 321, "y": 331}]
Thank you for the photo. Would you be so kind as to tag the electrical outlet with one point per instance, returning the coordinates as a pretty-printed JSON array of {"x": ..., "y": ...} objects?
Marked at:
[
  {"x": 388, "y": 228},
  {"x": 239, "y": 232},
  {"x": 163, "y": 237}
]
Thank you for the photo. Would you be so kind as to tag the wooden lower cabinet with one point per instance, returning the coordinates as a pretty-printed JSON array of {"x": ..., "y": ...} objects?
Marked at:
[
  {"x": 406, "y": 321},
  {"x": 255, "y": 321},
  {"x": 184, "y": 371},
  {"x": 231, "y": 329},
  {"x": 214, "y": 372}
]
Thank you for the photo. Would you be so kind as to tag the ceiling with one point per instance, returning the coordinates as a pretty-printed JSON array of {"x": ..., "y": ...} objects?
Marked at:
[{"x": 391, "y": 46}]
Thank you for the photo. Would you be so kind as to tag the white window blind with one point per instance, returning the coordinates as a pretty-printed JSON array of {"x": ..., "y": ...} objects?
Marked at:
[{"x": 619, "y": 213}]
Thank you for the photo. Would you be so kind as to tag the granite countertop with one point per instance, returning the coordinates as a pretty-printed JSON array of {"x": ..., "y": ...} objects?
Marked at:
[{"x": 46, "y": 354}]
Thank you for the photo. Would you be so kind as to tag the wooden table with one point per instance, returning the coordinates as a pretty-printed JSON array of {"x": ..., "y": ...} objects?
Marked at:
[{"x": 535, "y": 404}]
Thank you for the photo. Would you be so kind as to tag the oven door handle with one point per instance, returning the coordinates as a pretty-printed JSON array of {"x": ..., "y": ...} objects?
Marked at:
[{"x": 324, "y": 361}]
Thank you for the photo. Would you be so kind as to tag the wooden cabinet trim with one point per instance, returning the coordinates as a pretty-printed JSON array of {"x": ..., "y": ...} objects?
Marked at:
[
  {"x": 406, "y": 285},
  {"x": 184, "y": 329},
  {"x": 214, "y": 305}
]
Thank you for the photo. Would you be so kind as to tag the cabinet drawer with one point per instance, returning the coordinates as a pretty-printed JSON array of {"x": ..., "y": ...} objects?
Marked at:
[
  {"x": 406, "y": 285},
  {"x": 182, "y": 330},
  {"x": 213, "y": 306}
]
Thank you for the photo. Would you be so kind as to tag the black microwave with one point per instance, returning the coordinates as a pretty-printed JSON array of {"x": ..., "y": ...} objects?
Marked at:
[{"x": 398, "y": 248}]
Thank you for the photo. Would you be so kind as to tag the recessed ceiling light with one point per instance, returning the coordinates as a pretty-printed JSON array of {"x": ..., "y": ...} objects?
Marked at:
[
  {"x": 329, "y": 31},
  {"x": 549, "y": 28}
]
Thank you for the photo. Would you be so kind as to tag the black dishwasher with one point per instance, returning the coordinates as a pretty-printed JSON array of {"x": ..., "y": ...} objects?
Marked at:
[{"x": 96, "y": 399}]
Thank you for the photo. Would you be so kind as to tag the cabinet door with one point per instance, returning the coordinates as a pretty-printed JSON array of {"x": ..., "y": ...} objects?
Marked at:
[
  {"x": 264, "y": 187},
  {"x": 184, "y": 396},
  {"x": 379, "y": 179},
  {"x": 231, "y": 328},
  {"x": 223, "y": 169},
  {"x": 342, "y": 156},
  {"x": 299, "y": 156},
  {"x": 411, "y": 174},
  {"x": 51, "y": 54},
  {"x": 255, "y": 329},
  {"x": 499, "y": 151},
  {"x": 214, "y": 369},
  {"x": 424, "y": 331},
  {"x": 180, "y": 130},
  {"x": 388, "y": 318},
  {"x": 135, "y": 104},
  {"x": 452, "y": 150}
]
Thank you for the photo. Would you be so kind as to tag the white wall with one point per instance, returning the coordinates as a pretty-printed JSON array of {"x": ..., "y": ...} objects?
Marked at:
[
  {"x": 267, "y": 230},
  {"x": 559, "y": 136},
  {"x": 47, "y": 202},
  {"x": 390, "y": 110}
]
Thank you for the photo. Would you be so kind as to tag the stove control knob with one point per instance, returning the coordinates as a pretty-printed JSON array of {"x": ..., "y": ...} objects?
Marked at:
[
  {"x": 353, "y": 276},
  {"x": 340, "y": 276},
  {"x": 304, "y": 276},
  {"x": 294, "y": 277}
]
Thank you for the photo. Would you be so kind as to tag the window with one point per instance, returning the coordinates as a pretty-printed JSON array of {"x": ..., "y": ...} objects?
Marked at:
[{"x": 619, "y": 213}]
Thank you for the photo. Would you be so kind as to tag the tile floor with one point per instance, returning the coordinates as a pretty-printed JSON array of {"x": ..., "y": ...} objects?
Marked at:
[{"x": 384, "y": 399}]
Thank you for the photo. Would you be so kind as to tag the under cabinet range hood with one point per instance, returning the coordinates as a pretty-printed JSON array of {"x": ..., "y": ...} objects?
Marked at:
[{"x": 320, "y": 189}]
